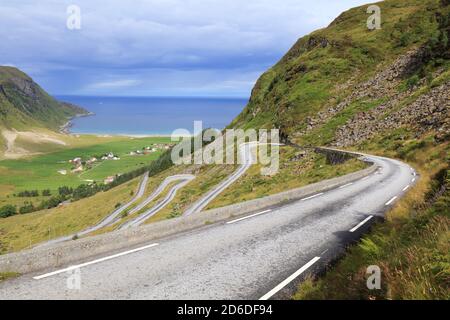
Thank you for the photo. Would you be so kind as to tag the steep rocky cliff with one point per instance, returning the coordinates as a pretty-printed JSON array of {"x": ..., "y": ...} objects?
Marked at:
[
  {"x": 345, "y": 84},
  {"x": 24, "y": 104}
]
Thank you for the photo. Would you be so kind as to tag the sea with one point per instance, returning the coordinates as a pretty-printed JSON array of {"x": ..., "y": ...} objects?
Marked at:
[{"x": 146, "y": 116}]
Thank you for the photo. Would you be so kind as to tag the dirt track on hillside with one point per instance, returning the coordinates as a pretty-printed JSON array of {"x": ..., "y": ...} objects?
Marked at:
[{"x": 15, "y": 152}]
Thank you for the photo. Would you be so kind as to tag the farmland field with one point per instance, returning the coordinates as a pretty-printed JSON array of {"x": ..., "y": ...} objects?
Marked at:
[{"x": 41, "y": 172}]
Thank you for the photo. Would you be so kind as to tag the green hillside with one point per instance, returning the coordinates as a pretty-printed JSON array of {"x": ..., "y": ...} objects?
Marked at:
[
  {"x": 24, "y": 104},
  {"x": 323, "y": 70},
  {"x": 385, "y": 92}
]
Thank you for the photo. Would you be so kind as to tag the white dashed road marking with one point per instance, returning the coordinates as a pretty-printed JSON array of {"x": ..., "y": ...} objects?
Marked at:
[
  {"x": 361, "y": 224},
  {"x": 283, "y": 284},
  {"x": 248, "y": 217},
  {"x": 390, "y": 201},
  {"x": 94, "y": 262}
]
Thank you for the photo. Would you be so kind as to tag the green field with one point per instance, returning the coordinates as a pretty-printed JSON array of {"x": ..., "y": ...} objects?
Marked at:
[{"x": 41, "y": 172}]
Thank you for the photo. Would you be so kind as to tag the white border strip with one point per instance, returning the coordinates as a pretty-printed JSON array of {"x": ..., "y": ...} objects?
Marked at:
[
  {"x": 283, "y": 284},
  {"x": 361, "y": 224},
  {"x": 94, "y": 261},
  {"x": 346, "y": 185}
]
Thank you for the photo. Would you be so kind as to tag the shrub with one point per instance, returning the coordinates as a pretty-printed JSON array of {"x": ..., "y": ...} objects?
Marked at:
[
  {"x": 28, "y": 193},
  {"x": 27, "y": 208},
  {"x": 7, "y": 211},
  {"x": 51, "y": 203},
  {"x": 65, "y": 191},
  {"x": 413, "y": 81}
]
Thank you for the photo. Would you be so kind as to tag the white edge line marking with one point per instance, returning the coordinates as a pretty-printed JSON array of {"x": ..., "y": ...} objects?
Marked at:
[
  {"x": 346, "y": 185},
  {"x": 250, "y": 216},
  {"x": 390, "y": 201},
  {"x": 413, "y": 180},
  {"x": 283, "y": 284},
  {"x": 406, "y": 188},
  {"x": 365, "y": 178},
  {"x": 94, "y": 262},
  {"x": 314, "y": 196},
  {"x": 361, "y": 224}
]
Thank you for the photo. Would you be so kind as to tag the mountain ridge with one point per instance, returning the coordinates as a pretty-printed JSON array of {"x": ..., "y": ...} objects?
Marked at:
[
  {"x": 24, "y": 104},
  {"x": 335, "y": 76}
]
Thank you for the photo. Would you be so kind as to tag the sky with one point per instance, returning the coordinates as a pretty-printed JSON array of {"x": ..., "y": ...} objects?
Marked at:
[{"x": 156, "y": 47}]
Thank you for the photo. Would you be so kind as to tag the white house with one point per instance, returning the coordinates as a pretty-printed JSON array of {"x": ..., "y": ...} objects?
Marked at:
[{"x": 109, "y": 179}]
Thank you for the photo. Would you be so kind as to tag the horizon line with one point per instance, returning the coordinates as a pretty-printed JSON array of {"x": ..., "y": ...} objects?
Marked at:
[{"x": 150, "y": 96}]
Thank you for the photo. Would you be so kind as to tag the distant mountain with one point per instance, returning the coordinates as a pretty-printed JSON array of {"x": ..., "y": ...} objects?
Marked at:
[
  {"x": 344, "y": 84},
  {"x": 24, "y": 104}
]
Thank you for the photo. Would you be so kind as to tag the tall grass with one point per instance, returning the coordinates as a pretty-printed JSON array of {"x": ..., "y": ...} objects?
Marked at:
[{"x": 412, "y": 247}]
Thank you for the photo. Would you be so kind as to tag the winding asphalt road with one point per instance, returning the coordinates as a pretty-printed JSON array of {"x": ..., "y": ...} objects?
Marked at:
[
  {"x": 261, "y": 256},
  {"x": 109, "y": 219},
  {"x": 185, "y": 179},
  {"x": 247, "y": 157}
]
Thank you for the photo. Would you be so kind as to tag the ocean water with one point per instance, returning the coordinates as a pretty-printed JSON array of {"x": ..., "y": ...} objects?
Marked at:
[{"x": 150, "y": 115}]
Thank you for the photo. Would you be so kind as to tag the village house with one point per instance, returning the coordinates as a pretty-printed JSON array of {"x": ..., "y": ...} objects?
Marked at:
[
  {"x": 109, "y": 180},
  {"x": 78, "y": 169},
  {"x": 76, "y": 161},
  {"x": 91, "y": 161}
]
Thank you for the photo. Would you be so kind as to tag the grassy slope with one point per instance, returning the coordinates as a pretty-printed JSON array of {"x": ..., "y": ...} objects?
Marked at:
[
  {"x": 8, "y": 275},
  {"x": 311, "y": 77},
  {"x": 252, "y": 185},
  {"x": 22, "y": 231},
  {"x": 319, "y": 72},
  {"x": 412, "y": 247},
  {"x": 293, "y": 173}
]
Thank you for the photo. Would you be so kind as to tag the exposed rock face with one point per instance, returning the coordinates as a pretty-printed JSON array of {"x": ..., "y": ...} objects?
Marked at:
[
  {"x": 26, "y": 87},
  {"x": 383, "y": 84},
  {"x": 430, "y": 111}
]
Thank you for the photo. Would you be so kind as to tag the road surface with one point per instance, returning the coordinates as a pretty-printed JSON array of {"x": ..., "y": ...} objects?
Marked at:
[
  {"x": 261, "y": 256},
  {"x": 247, "y": 156},
  {"x": 109, "y": 219},
  {"x": 184, "y": 180}
]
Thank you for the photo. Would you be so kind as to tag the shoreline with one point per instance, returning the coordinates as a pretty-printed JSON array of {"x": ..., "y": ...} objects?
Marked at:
[{"x": 65, "y": 128}]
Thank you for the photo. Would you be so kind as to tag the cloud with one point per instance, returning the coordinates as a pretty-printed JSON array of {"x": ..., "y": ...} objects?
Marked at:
[
  {"x": 115, "y": 84},
  {"x": 153, "y": 42}
]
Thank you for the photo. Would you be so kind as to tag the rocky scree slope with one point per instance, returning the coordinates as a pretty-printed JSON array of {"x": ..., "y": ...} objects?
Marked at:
[{"x": 344, "y": 84}]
